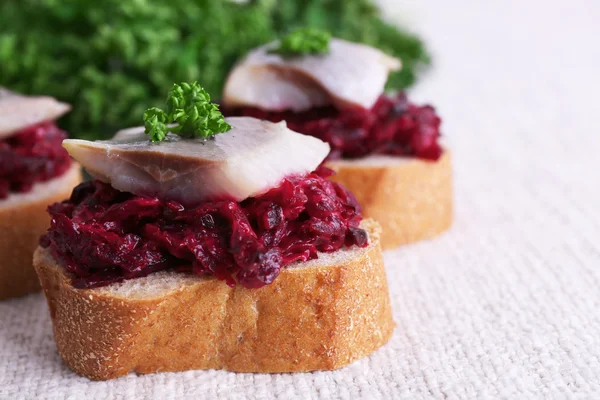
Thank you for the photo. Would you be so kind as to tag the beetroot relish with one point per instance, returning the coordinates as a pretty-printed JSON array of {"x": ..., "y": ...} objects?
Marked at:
[
  {"x": 105, "y": 236},
  {"x": 392, "y": 126},
  {"x": 34, "y": 154}
]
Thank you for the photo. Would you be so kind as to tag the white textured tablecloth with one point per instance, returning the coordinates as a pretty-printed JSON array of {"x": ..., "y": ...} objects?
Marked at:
[{"x": 506, "y": 304}]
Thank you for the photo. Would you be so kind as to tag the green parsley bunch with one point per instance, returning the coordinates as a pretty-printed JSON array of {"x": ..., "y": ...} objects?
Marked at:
[
  {"x": 190, "y": 109},
  {"x": 304, "y": 41}
]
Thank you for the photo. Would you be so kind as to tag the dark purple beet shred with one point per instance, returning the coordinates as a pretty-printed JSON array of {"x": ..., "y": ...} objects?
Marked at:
[
  {"x": 392, "y": 126},
  {"x": 104, "y": 236},
  {"x": 34, "y": 154}
]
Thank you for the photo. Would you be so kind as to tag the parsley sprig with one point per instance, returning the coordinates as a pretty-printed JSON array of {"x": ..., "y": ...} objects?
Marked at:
[
  {"x": 190, "y": 110},
  {"x": 304, "y": 41}
]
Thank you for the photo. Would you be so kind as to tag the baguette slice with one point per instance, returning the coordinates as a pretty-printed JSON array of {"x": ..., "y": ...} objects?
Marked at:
[
  {"x": 411, "y": 198},
  {"x": 318, "y": 315},
  {"x": 23, "y": 219}
]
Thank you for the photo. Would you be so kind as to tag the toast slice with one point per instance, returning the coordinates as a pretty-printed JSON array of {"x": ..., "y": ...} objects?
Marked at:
[
  {"x": 411, "y": 198},
  {"x": 23, "y": 219},
  {"x": 318, "y": 315}
]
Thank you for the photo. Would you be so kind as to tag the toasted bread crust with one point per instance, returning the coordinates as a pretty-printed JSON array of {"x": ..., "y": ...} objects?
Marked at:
[
  {"x": 320, "y": 317},
  {"x": 412, "y": 200},
  {"x": 21, "y": 225}
]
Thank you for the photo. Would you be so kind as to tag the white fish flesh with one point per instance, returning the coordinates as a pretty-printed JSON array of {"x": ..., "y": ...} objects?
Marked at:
[
  {"x": 18, "y": 112},
  {"x": 253, "y": 157},
  {"x": 351, "y": 74}
]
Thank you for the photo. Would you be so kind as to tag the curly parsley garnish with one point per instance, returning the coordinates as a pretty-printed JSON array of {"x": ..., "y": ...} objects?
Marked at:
[
  {"x": 190, "y": 109},
  {"x": 304, "y": 41}
]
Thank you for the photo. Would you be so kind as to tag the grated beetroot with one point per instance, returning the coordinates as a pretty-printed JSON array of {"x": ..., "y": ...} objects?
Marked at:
[
  {"x": 393, "y": 126},
  {"x": 34, "y": 154},
  {"x": 105, "y": 236}
]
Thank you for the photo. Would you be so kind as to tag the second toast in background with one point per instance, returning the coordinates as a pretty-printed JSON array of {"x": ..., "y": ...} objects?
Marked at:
[{"x": 385, "y": 149}]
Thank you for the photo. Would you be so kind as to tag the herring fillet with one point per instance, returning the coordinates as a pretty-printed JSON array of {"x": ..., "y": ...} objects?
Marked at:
[
  {"x": 253, "y": 157},
  {"x": 18, "y": 112},
  {"x": 351, "y": 74}
]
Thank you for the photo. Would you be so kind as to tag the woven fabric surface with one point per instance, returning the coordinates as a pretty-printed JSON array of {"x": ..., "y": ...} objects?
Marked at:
[{"x": 504, "y": 305}]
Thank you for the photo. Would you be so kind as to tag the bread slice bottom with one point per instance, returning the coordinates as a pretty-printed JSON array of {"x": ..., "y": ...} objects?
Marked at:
[
  {"x": 318, "y": 315},
  {"x": 23, "y": 219},
  {"x": 411, "y": 198}
]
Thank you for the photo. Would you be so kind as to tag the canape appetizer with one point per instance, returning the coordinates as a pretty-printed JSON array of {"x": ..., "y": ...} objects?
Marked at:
[
  {"x": 384, "y": 149},
  {"x": 34, "y": 171},
  {"x": 211, "y": 243}
]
